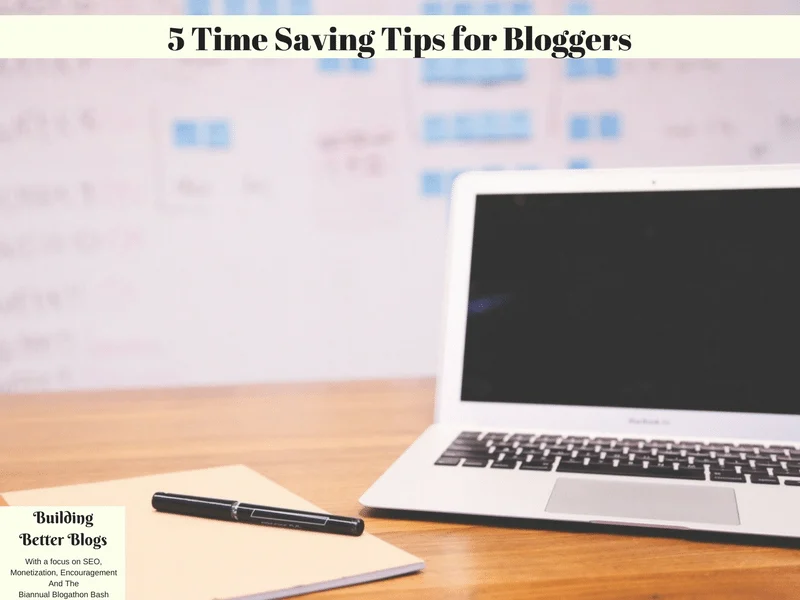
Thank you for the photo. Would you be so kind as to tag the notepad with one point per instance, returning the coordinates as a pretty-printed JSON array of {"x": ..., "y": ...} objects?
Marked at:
[{"x": 173, "y": 557}]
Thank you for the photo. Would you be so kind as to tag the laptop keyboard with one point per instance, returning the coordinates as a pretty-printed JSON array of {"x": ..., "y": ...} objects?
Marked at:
[{"x": 630, "y": 457}]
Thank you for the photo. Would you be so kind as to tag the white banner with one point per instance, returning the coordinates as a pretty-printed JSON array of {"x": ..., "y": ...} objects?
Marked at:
[
  {"x": 368, "y": 37},
  {"x": 62, "y": 552}
]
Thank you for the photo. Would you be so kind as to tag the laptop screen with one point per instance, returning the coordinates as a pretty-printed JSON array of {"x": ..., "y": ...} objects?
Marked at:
[{"x": 669, "y": 300}]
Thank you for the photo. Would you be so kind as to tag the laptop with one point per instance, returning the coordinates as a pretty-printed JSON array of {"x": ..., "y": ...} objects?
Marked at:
[{"x": 621, "y": 347}]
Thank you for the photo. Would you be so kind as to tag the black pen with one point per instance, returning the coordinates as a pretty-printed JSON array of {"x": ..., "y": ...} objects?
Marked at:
[{"x": 241, "y": 512}]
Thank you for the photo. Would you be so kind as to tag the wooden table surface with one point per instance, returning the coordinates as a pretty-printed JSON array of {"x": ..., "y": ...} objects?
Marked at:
[{"x": 328, "y": 443}]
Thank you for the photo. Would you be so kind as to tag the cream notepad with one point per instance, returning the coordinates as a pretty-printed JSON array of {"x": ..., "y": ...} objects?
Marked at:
[{"x": 172, "y": 557}]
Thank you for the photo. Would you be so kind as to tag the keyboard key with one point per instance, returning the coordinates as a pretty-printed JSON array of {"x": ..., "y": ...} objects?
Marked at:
[
  {"x": 504, "y": 464},
  {"x": 469, "y": 453},
  {"x": 474, "y": 462},
  {"x": 448, "y": 462},
  {"x": 793, "y": 482},
  {"x": 572, "y": 439},
  {"x": 755, "y": 471},
  {"x": 749, "y": 447},
  {"x": 467, "y": 443},
  {"x": 536, "y": 466},
  {"x": 669, "y": 454},
  {"x": 563, "y": 452},
  {"x": 714, "y": 447},
  {"x": 627, "y": 471},
  {"x": 764, "y": 479},
  {"x": 548, "y": 439},
  {"x": 472, "y": 449},
  {"x": 727, "y": 477},
  {"x": 734, "y": 462},
  {"x": 660, "y": 443}
]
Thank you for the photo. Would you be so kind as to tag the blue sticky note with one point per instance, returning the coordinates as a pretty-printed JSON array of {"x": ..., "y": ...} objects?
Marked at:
[
  {"x": 578, "y": 8},
  {"x": 219, "y": 135},
  {"x": 493, "y": 70},
  {"x": 494, "y": 126},
  {"x": 605, "y": 67},
  {"x": 609, "y": 126},
  {"x": 578, "y": 67},
  {"x": 435, "y": 129},
  {"x": 445, "y": 69},
  {"x": 511, "y": 69},
  {"x": 492, "y": 8},
  {"x": 235, "y": 7},
  {"x": 433, "y": 70},
  {"x": 487, "y": 70},
  {"x": 519, "y": 125},
  {"x": 198, "y": 7},
  {"x": 514, "y": 69},
  {"x": 185, "y": 134},
  {"x": 579, "y": 128},
  {"x": 432, "y": 183},
  {"x": 432, "y": 8},
  {"x": 268, "y": 7},
  {"x": 449, "y": 184},
  {"x": 474, "y": 70},
  {"x": 300, "y": 7},
  {"x": 462, "y": 8},
  {"x": 523, "y": 7},
  {"x": 477, "y": 70},
  {"x": 329, "y": 65},
  {"x": 460, "y": 70},
  {"x": 466, "y": 127},
  {"x": 579, "y": 163},
  {"x": 361, "y": 65}
]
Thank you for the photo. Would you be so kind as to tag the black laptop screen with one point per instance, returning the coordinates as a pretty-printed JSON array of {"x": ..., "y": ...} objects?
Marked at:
[{"x": 671, "y": 300}]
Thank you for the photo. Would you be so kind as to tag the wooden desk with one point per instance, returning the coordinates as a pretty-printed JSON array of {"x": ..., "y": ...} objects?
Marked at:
[{"x": 328, "y": 443}]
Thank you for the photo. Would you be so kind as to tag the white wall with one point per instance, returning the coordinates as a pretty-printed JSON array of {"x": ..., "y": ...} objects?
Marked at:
[{"x": 307, "y": 247}]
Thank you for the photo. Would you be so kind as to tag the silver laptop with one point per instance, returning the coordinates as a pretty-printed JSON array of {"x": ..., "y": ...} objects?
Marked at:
[{"x": 621, "y": 347}]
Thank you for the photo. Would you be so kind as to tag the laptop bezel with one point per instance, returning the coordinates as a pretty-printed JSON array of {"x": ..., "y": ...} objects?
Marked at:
[{"x": 644, "y": 422}]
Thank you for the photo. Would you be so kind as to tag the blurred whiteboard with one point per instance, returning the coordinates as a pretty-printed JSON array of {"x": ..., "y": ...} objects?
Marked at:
[{"x": 187, "y": 223}]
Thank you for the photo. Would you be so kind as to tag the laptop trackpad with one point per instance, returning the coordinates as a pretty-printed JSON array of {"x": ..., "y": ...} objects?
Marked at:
[{"x": 638, "y": 500}]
